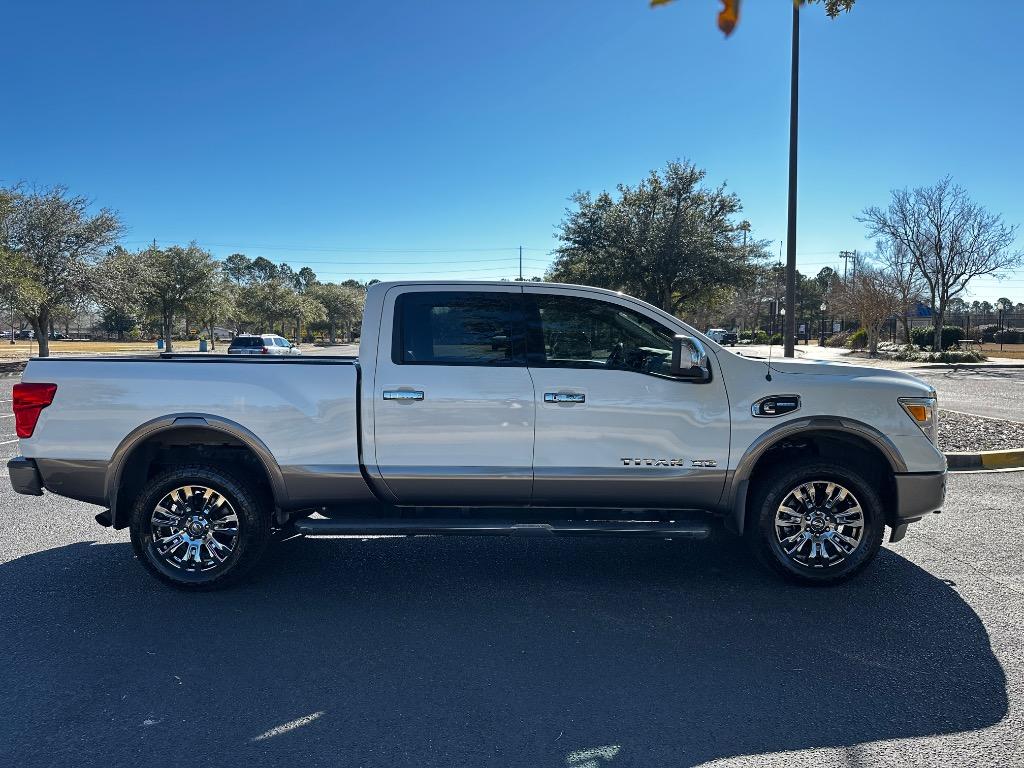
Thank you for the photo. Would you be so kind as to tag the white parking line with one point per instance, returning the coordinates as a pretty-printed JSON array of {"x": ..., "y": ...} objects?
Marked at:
[
  {"x": 8, "y": 442},
  {"x": 7, "y": 416}
]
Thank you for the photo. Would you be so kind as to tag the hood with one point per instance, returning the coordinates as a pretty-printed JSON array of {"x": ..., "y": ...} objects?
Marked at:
[
  {"x": 822, "y": 367},
  {"x": 914, "y": 385}
]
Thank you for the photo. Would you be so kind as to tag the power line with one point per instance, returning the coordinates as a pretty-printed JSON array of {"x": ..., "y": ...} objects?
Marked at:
[
  {"x": 500, "y": 270},
  {"x": 414, "y": 263},
  {"x": 309, "y": 249}
]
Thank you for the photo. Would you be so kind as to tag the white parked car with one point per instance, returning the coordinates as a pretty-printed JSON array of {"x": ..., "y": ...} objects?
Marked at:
[{"x": 264, "y": 344}]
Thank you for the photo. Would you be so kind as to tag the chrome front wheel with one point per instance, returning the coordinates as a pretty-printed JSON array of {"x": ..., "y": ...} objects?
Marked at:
[
  {"x": 819, "y": 524},
  {"x": 816, "y": 521}
]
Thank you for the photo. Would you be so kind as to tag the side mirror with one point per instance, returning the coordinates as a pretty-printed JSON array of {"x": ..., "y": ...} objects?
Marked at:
[{"x": 690, "y": 360}]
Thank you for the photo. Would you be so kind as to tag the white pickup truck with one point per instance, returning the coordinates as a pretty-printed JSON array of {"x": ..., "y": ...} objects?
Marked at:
[{"x": 485, "y": 408}]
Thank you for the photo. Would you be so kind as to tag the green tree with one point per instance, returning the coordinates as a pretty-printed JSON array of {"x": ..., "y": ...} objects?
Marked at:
[
  {"x": 56, "y": 240},
  {"x": 264, "y": 270},
  {"x": 216, "y": 305},
  {"x": 265, "y": 303},
  {"x": 181, "y": 280},
  {"x": 238, "y": 268},
  {"x": 121, "y": 283},
  {"x": 669, "y": 240},
  {"x": 343, "y": 306}
]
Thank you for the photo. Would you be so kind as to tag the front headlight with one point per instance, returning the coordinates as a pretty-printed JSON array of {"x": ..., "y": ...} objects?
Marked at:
[{"x": 925, "y": 413}]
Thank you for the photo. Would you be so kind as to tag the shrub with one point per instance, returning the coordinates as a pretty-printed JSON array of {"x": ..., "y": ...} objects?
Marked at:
[
  {"x": 776, "y": 338},
  {"x": 858, "y": 339},
  {"x": 837, "y": 339},
  {"x": 987, "y": 333},
  {"x": 1008, "y": 336},
  {"x": 924, "y": 337},
  {"x": 760, "y": 338},
  {"x": 956, "y": 356}
]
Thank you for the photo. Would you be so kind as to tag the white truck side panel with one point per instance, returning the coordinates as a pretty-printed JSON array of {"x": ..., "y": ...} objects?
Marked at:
[{"x": 304, "y": 413}]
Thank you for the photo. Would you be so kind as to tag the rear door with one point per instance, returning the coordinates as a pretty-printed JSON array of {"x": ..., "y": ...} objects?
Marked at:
[
  {"x": 613, "y": 427},
  {"x": 453, "y": 399}
]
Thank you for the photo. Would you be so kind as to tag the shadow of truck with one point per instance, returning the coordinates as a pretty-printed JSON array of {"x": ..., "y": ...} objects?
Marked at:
[{"x": 451, "y": 652}]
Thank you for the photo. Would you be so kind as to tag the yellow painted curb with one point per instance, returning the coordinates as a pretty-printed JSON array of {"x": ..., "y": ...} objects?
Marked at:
[{"x": 1002, "y": 459}]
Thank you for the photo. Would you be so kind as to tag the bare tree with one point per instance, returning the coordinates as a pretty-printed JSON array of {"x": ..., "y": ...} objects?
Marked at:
[
  {"x": 871, "y": 296},
  {"x": 951, "y": 238},
  {"x": 907, "y": 281}
]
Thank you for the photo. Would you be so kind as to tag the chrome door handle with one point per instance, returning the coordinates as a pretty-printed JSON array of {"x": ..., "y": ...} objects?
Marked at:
[
  {"x": 564, "y": 397},
  {"x": 403, "y": 394}
]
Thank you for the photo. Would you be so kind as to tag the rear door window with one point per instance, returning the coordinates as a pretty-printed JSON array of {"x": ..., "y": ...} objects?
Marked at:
[
  {"x": 458, "y": 328},
  {"x": 246, "y": 342}
]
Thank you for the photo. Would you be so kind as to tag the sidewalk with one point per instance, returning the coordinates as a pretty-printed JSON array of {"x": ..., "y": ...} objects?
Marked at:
[{"x": 840, "y": 355}]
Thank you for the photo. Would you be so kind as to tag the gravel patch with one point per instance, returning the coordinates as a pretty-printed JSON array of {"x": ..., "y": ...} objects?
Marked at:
[{"x": 962, "y": 432}]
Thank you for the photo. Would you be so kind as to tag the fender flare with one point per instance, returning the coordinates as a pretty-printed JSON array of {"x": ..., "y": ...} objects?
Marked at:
[
  {"x": 736, "y": 491},
  {"x": 176, "y": 421}
]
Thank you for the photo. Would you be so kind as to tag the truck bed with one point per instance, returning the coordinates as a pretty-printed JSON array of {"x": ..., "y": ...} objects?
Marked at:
[{"x": 299, "y": 412}]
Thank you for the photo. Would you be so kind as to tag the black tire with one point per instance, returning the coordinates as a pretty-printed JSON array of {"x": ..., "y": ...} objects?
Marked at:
[
  {"x": 807, "y": 565},
  {"x": 212, "y": 521}
]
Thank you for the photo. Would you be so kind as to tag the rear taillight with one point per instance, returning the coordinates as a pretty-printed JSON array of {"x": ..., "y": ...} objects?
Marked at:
[
  {"x": 29, "y": 401},
  {"x": 264, "y": 351}
]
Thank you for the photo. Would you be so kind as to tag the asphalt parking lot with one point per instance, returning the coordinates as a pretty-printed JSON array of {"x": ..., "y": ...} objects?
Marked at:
[
  {"x": 994, "y": 392},
  {"x": 513, "y": 652}
]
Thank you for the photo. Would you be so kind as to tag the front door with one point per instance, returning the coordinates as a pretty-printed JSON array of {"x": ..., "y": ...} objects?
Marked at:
[
  {"x": 614, "y": 429},
  {"x": 453, "y": 399}
]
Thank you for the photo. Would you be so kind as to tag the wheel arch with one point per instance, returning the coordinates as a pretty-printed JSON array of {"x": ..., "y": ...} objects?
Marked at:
[
  {"x": 824, "y": 435},
  {"x": 201, "y": 429}
]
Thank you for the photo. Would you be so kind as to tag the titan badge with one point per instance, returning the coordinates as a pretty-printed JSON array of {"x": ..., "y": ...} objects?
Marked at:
[{"x": 710, "y": 463}]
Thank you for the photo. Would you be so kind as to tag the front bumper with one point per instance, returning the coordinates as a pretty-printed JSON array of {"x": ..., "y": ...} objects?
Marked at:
[
  {"x": 917, "y": 494},
  {"x": 25, "y": 477}
]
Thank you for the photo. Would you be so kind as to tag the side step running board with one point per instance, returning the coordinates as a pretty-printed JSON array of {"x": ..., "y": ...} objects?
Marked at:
[{"x": 426, "y": 527}]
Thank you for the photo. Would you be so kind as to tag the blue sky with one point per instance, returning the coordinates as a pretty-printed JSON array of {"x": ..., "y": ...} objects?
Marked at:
[{"x": 408, "y": 138}]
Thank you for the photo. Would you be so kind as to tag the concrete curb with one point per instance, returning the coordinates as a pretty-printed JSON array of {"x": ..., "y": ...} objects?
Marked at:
[
  {"x": 968, "y": 366},
  {"x": 960, "y": 462}
]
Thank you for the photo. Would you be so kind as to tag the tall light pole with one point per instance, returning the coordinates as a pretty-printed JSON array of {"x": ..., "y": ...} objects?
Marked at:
[
  {"x": 1002, "y": 308},
  {"x": 794, "y": 109}
]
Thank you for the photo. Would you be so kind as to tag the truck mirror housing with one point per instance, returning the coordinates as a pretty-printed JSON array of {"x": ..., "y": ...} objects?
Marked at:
[{"x": 690, "y": 360}]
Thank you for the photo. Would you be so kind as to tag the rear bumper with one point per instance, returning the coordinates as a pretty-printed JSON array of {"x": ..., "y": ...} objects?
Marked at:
[{"x": 25, "y": 477}]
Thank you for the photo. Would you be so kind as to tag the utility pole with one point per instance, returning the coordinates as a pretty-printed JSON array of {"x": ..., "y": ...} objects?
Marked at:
[
  {"x": 846, "y": 256},
  {"x": 789, "y": 319}
]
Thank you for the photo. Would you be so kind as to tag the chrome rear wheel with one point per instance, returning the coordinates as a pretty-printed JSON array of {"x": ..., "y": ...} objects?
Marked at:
[
  {"x": 197, "y": 527},
  {"x": 194, "y": 529}
]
